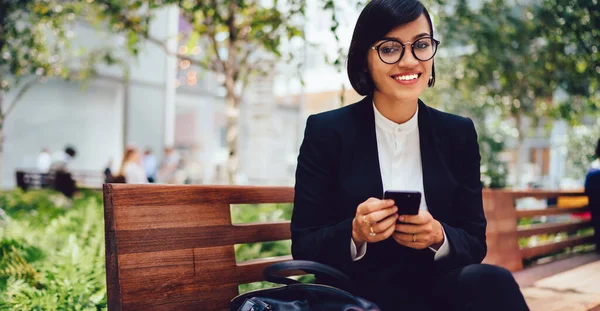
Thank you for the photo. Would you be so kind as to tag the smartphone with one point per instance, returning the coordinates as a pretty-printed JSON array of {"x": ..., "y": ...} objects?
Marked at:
[{"x": 408, "y": 202}]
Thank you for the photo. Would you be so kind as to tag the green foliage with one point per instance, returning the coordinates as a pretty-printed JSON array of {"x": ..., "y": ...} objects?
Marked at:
[
  {"x": 580, "y": 150},
  {"x": 247, "y": 213},
  {"x": 524, "y": 51},
  {"x": 516, "y": 59},
  {"x": 55, "y": 261},
  {"x": 252, "y": 213},
  {"x": 36, "y": 35},
  {"x": 263, "y": 213}
]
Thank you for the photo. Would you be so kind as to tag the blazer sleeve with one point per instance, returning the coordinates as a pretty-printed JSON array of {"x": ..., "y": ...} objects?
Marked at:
[
  {"x": 318, "y": 234},
  {"x": 466, "y": 233}
]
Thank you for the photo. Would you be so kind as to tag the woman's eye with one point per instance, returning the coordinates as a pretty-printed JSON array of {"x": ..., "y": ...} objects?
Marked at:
[
  {"x": 389, "y": 50},
  {"x": 422, "y": 45}
]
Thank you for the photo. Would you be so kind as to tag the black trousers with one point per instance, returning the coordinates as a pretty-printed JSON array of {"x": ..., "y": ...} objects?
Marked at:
[{"x": 470, "y": 288}]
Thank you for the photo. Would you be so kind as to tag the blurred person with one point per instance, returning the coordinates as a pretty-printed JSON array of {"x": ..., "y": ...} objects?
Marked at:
[
  {"x": 592, "y": 189},
  {"x": 62, "y": 180},
  {"x": 131, "y": 167},
  {"x": 62, "y": 160},
  {"x": 391, "y": 140},
  {"x": 44, "y": 161},
  {"x": 169, "y": 165},
  {"x": 108, "y": 176},
  {"x": 193, "y": 166},
  {"x": 150, "y": 165}
]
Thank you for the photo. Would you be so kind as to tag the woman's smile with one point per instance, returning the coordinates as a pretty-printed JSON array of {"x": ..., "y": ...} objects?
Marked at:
[{"x": 407, "y": 78}]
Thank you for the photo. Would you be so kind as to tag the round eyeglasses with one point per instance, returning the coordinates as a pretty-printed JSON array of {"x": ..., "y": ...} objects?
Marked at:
[{"x": 391, "y": 51}]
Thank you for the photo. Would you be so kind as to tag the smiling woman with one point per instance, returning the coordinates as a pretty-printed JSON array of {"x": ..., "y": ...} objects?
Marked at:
[{"x": 391, "y": 140}]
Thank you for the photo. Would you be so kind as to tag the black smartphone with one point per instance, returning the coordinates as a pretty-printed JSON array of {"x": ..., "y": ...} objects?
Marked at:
[{"x": 408, "y": 202}]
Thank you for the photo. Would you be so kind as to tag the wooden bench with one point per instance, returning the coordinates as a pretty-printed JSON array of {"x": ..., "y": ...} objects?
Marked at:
[
  {"x": 172, "y": 247},
  {"x": 33, "y": 179},
  {"x": 503, "y": 233}
]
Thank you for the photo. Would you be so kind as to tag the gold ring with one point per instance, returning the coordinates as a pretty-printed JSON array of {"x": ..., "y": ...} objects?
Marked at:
[
  {"x": 364, "y": 220},
  {"x": 414, "y": 238},
  {"x": 372, "y": 232}
]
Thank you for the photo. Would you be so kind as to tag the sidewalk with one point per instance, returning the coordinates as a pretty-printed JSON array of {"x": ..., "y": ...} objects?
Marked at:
[{"x": 576, "y": 289}]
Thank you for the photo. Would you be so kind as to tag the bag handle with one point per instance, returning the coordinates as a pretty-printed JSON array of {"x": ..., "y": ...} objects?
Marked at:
[{"x": 304, "y": 265}]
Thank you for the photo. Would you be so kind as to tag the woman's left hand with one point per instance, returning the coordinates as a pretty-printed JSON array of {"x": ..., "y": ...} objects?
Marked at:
[{"x": 419, "y": 231}]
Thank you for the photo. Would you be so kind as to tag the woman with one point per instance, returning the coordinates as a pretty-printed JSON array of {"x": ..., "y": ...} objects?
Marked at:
[
  {"x": 392, "y": 141},
  {"x": 131, "y": 167}
]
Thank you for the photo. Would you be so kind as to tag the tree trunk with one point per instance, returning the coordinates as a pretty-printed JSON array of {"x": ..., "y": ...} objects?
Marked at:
[
  {"x": 1, "y": 138},
  {"x": 231, "y": 71},
  {"x": 520, "y": 139},
  {"x": 232, "y": 137}
]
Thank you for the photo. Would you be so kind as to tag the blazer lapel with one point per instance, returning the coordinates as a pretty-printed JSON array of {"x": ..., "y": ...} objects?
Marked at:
[
  {"x": 366, "y": 156},
  {"x": 438, "y": 182}
]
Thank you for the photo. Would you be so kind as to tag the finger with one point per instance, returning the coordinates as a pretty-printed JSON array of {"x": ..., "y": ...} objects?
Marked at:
[
  {"x": 378, "y": 216},
  {"x": 411, "y": 229},
  {"x": 360, "y": 210},
  {"x": 404, "y": 237},
  {"x": 387, "y": 233},
  {"x": 383, "y": 235},
  {"x": 385, "y": 224},
  {"x": 422, "y": 218},
  {"x": 371, "y": 199},
  {"x": 373, "y": 206}
]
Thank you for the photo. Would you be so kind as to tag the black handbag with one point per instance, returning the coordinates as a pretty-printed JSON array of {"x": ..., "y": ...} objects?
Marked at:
[{"x": 296, "y": 296}]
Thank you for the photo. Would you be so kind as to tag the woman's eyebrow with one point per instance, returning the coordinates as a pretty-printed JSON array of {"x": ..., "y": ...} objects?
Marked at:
[{"x": 421, "y": 35}]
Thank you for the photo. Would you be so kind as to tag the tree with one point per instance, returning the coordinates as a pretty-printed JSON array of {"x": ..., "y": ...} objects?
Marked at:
[
  {"x": 35, "y": 42},
  {"x": 244, "y": 39},
  {"x": 509, "y": 61},
  {"x": 571, "y": 29}
]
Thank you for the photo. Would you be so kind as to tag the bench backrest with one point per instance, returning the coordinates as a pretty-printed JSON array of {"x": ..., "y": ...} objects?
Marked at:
[{"x": 172, "y": 247}]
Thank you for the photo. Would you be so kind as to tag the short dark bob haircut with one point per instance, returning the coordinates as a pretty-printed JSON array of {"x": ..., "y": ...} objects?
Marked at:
[{"x": 378, "y": 18}]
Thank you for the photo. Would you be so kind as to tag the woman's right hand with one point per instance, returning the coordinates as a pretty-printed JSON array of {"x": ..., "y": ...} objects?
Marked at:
[{"x": 375, "y": 221}]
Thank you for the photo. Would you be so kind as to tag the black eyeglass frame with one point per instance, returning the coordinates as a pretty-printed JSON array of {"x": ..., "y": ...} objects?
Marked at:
[{"x": 412, "y": 48}]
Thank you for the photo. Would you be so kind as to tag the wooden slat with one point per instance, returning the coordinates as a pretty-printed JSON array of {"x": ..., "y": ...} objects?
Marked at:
[
  {"x": 551, "y": 228},
  {"x": 140, "y": 217},
  {"x": 161, "y": 195},
  {"x": 553, "y": 247},
  {"x": 157, "y": 264},
  {"x": 551, "y": 211},
  {"x": 153, "y": 240},
  {"x": 113, "y": 287},
  {"x": 181, "y": 294},
  {"x": 541, "y": 194}
]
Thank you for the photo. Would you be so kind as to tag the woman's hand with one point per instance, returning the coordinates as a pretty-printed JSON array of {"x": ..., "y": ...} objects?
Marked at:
[
  {"x": 419, "y": 231},
  {"x": 374, "y": 221}
]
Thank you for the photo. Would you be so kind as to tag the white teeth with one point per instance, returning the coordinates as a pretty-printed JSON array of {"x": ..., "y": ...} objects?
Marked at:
[{"x": 406, "y": 78}]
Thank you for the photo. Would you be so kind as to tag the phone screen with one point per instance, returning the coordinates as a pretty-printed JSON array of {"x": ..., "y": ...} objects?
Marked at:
[{"x": 408, "y": 202}]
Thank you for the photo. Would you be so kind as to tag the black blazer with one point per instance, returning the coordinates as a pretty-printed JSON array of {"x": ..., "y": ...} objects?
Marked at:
[
  {"x": 338, "y": 168},
  {"x": 592, "y": 189}
]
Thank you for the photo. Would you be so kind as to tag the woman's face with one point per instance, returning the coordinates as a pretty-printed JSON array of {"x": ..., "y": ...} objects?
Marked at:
[
  {"x": 406, "y": 79},
  {"x": 135, "y": 157}
]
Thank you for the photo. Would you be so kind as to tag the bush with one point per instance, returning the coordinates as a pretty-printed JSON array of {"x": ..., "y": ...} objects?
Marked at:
[{"x": 52, "y": 252}]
